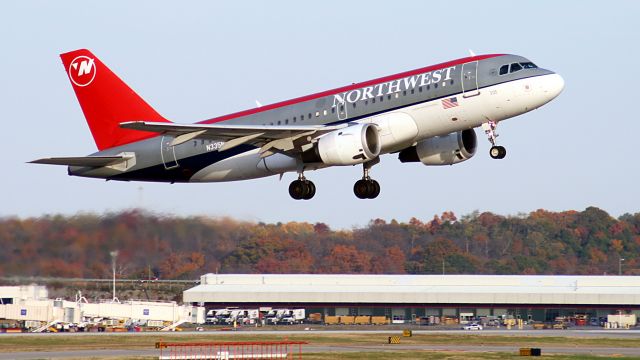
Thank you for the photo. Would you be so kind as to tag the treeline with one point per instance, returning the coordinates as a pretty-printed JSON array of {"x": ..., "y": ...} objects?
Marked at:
[{"x": 167, "y": 247}]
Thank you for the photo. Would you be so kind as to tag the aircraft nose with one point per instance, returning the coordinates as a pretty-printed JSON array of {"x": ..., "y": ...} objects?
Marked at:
[{"x": 554, "y": 84}]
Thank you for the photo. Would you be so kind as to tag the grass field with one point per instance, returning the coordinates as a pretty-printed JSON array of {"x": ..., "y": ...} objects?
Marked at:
[
  {"x": 58, "y": 342},
  {"x": 414, "y": 355},
  {"x": 13, "y": 343}
]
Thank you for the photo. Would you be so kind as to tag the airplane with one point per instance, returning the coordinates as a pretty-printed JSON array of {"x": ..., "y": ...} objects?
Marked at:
[{"x": 427, "y": 115}]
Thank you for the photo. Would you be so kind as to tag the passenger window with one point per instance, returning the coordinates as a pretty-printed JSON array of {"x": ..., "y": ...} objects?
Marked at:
[
  {"x": 413, "y": 91},
  {"x": 435, "y": 86},
  {"x": 354, "y": 105},
  {"x": 294, "y": 119},
  {"x": 381, "y": 98},
  {"x": 450, "y": 82},
  {"x": 286, "y": 121},
  {"x": 397, "y": 95},
  {"x": 278, "y": 122},
  {"x": 504, "y": 69},
  {"x": 373, "y": 101},
  {"x": 388, "y": 97},
  {"x": 324, "y": 112},
  {"x": 515, "y": 67},
  {"x": 428, "y": 87},
  {"x": 333, "y": 110},
  {"x": 309, "y": 115},
  {"x": 301, "y": 117},
  {"x": 420, "y": 89},
  {"x": 317, "y": 113},
  {"x": 404, "y": 93}
]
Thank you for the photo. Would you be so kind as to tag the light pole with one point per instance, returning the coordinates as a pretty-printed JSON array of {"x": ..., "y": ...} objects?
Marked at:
[
  {"x": 114, "y": 255},
  {"x": 621, "y": 259}
]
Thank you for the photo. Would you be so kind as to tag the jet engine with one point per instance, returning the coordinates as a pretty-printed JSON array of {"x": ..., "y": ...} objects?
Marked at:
[
  {"x": 442, "y": 150},
  {"x": 352, "y": 145}
]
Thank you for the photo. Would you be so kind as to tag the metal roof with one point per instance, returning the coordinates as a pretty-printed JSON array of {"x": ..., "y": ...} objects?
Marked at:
[{"x": 416, "y": 289}]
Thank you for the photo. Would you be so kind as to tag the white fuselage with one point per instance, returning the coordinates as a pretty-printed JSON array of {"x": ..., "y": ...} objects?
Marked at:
[{"x": 402, "y": 128}]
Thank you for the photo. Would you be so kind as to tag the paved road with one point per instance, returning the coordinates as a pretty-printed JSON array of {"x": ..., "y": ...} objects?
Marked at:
[
  {"x": 78, "y": 354},
  {"x": 596, "y": 333}
]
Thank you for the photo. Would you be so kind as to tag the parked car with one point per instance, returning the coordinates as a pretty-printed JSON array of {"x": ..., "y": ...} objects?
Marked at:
[
  {"x": 472, "y": 327},
  {"x": 560, "y": 326}
]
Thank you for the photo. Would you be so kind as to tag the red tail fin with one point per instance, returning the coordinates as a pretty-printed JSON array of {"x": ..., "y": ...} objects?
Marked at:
[{"x": 106, "y": 100}]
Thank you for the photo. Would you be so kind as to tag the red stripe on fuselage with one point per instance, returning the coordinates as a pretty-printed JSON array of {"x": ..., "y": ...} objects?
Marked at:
[{"x": 348, "y": 88}]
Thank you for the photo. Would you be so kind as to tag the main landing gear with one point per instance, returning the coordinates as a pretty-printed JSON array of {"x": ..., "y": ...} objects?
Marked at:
[
  {"x": 496, "y": 152},
  {"x": 367, "y": 188},
  {"x": 302, "y": 189}
]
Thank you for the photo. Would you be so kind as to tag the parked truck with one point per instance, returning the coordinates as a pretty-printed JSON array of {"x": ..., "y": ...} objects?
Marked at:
[
  {"x": 284, "y": 316},
  {"x": 622, "y": 320}
]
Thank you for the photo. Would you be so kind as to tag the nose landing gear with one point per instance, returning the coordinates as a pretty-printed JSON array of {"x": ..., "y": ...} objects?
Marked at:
[{"x": 496, "y": 152}]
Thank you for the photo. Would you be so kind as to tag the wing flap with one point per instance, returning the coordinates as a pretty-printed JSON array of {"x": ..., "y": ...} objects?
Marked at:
[
  {"x": 224, "y": 132},
  {"x": 265, "y": 136}
]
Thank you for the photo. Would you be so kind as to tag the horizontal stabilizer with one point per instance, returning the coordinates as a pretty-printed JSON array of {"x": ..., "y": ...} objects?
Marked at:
[{"x": 89, "y": 161}]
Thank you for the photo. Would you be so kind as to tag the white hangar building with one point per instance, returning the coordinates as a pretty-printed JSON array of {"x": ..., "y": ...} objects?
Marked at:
[{"x": 405, "y": 297}]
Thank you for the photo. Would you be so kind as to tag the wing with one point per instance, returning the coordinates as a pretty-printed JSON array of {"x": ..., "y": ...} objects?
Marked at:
[
  {"x": 270, "y": 139},
  {"x": 89, "y": 161}
]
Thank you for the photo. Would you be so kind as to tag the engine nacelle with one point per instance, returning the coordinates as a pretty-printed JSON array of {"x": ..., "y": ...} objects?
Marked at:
[
  {"x": 442, "y": 150},
  {"x": 349, "y": 146}
]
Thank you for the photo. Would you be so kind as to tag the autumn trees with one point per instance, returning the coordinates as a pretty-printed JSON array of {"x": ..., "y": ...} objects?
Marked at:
[{"x": 541, "y": 242}]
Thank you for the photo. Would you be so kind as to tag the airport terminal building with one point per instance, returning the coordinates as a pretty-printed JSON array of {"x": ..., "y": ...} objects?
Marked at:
[{"x": 408, "y": 297}]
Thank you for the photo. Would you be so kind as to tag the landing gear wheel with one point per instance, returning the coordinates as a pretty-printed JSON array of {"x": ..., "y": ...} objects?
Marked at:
[
  {"x": 374, "y": 189},
  {"x": 498, "y": 152},
  {"x": 366, "y": 189},
  {"x": 311, "y": 190},
  {"x": 361, "y": 188},
  {"x": 302, "y": 189},
  {"x": 297, "y": 189}
]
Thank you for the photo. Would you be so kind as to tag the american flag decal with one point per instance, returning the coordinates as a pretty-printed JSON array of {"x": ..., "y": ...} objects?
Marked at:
[{"x": 449, "y": 103}]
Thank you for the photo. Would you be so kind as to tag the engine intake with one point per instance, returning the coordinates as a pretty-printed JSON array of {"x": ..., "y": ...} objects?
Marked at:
[
  {"x": 352, "y": 145},
  {"x": 442, "y": 150}
]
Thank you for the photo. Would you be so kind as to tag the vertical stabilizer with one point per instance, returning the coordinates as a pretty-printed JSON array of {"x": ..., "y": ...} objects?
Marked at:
[{"x": 106, "y": 100}]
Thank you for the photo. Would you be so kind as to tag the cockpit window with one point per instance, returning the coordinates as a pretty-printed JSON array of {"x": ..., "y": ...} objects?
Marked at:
[
  {"x": 504, "y": 69},
  {"x": 528, "y": 65},
  {"x": 515, "y": 67}
]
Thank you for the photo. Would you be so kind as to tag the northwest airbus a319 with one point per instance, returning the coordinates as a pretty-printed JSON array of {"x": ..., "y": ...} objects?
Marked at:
[{"x": 426, "y": 115}]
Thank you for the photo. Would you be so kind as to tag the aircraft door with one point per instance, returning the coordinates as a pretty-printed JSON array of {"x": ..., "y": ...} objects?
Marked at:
[
  {"x": 168, "y": 153},
  {"x": 470, "y": 79},
  {"x": 341, "y": 108}
]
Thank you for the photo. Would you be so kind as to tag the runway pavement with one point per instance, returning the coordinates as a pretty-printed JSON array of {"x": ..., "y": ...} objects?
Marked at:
[{"x": 599, "y": 333}]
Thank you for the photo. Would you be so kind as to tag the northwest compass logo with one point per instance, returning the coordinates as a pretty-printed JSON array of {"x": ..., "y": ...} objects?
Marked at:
[{"x": 82, "y": 70}]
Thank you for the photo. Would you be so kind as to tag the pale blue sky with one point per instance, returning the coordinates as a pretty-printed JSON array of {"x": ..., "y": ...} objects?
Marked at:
[{"x": 194, "y": 59}]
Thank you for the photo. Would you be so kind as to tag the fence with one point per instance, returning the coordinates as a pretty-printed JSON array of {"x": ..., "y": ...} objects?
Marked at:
[{"x": 231, "y": 350}]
